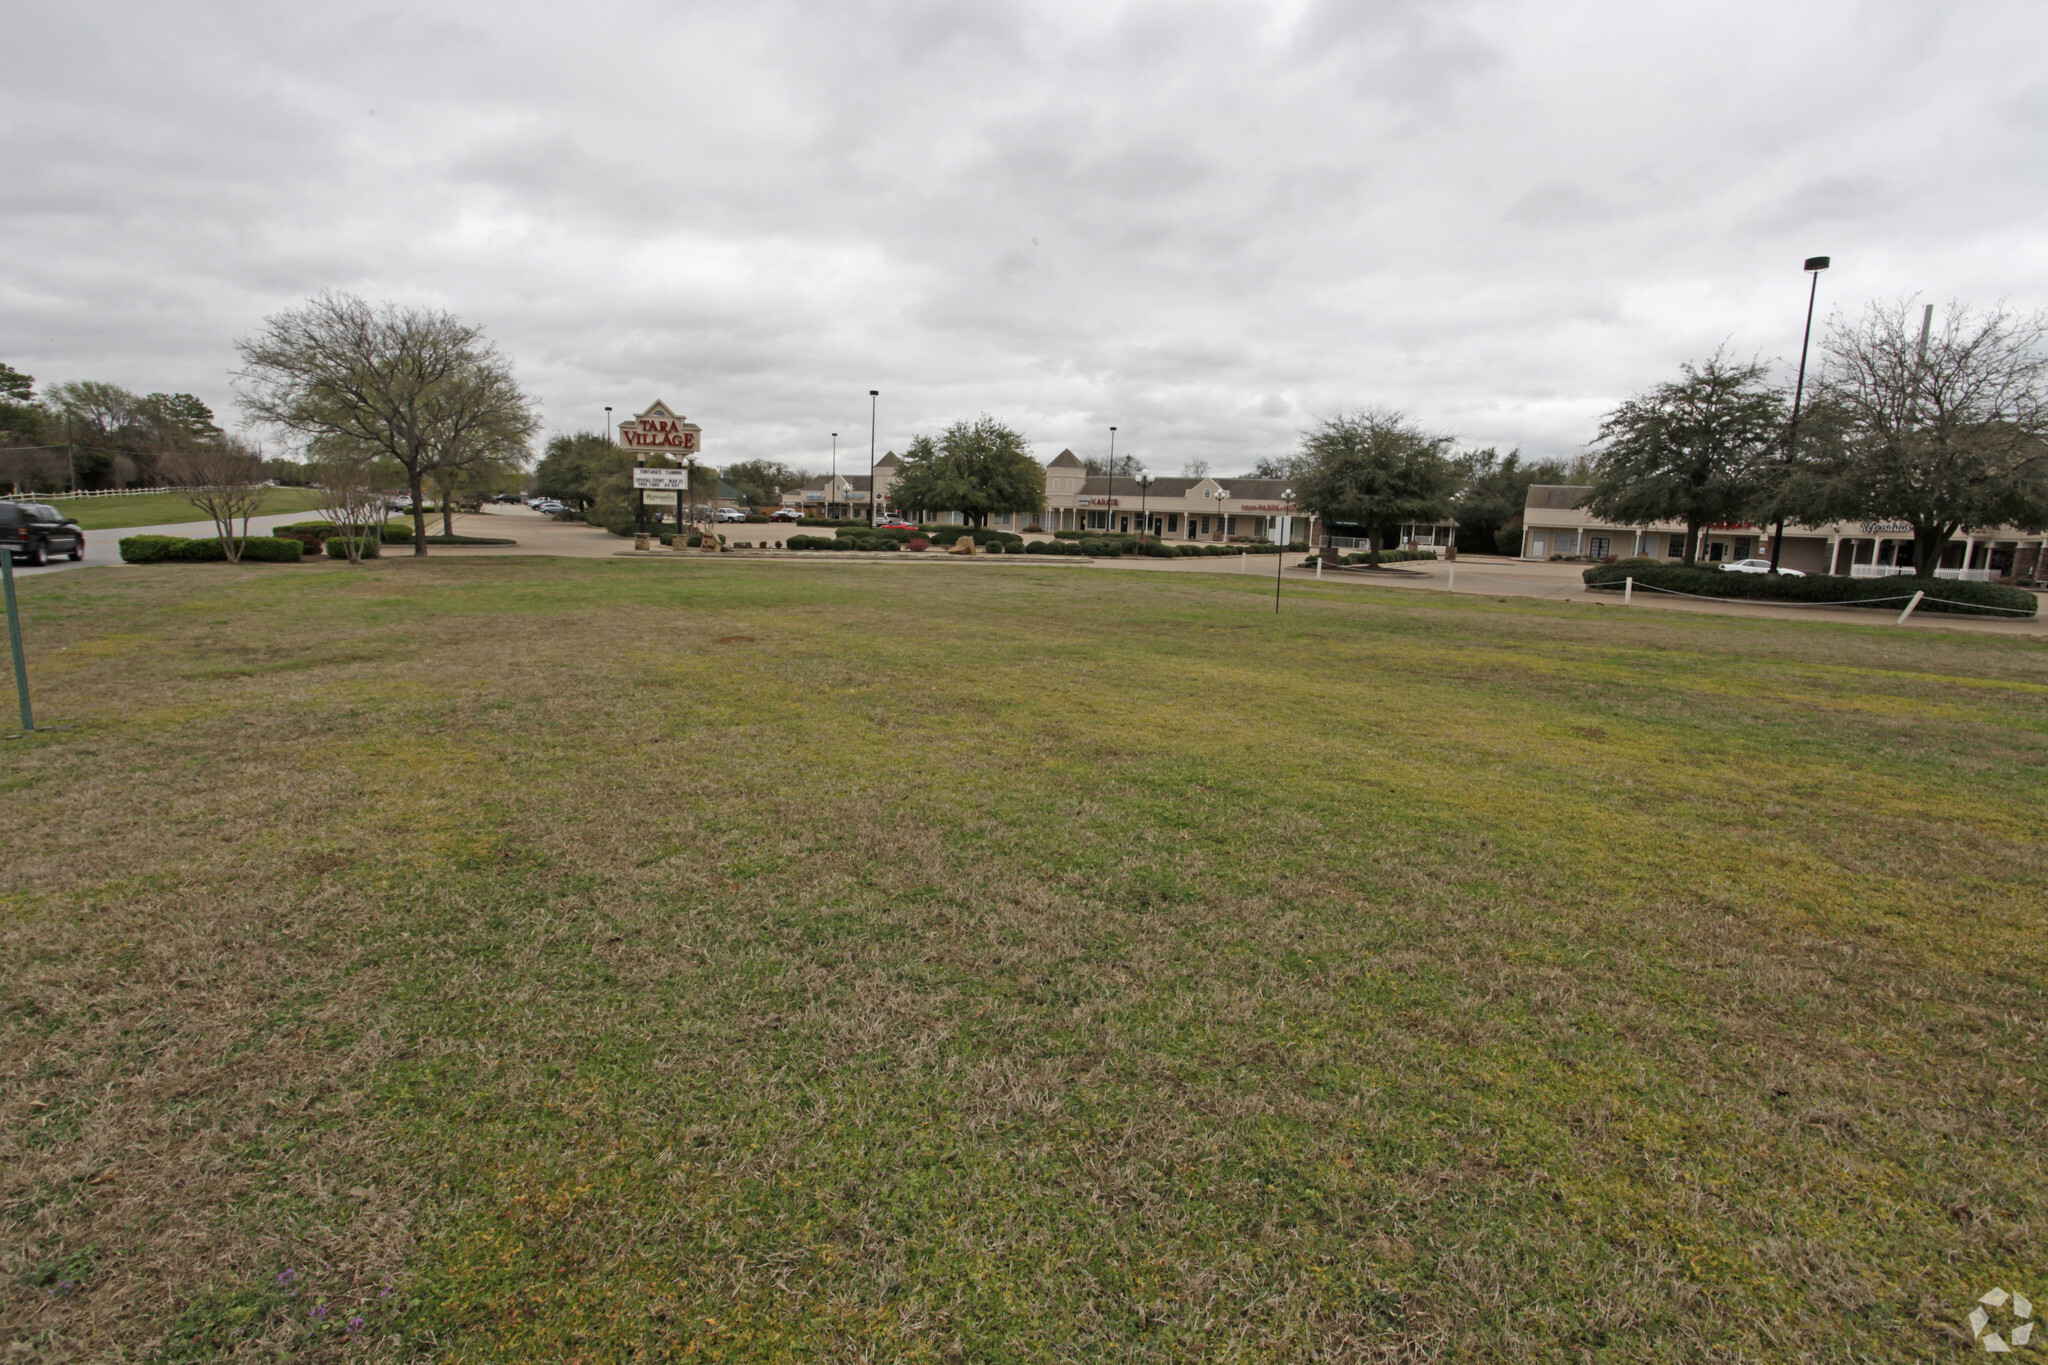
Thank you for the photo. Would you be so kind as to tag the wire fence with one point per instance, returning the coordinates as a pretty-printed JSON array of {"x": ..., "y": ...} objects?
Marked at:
[
  {"x": 1564, "y": 589},
  {"x": 1855, "y": 602}
]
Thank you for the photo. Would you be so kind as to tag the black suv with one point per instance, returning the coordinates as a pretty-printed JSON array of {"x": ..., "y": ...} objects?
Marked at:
[{"x": 34, "y": 531}]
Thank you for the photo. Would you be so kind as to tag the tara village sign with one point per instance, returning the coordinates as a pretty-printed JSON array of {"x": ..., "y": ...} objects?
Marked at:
[{"x": 661, "y": 430}]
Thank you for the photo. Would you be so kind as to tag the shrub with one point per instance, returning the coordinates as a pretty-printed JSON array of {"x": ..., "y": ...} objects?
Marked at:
[
  {"x": 397, "y": 533},
  {"x": 148, "y": 549},
  {"x": 1945, "y": 595},
  {"x": 337, "y": 548},
  {"x": 1013, "y": 547},
  {"x": 206, "y": 550},
  {"x": 273, "y": 550},
  {"x": 917, "y": 543}
]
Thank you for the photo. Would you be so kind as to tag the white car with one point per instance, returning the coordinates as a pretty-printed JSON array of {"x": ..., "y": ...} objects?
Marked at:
[
  {"x": 727, "y": 514},
  {"x": 1758, "y": 566}
]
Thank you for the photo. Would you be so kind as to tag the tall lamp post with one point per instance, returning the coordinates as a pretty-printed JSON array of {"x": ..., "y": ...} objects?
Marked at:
[
  {"x": 833, "y": 487},
  {"x": 608, "y": 423},
  {"x": 874, "y": 397},
  {"x": 640, "y": 497},
  {"x": 1280, "y": 555},
  {"x": 1814, "y": 265},
  {"x": 1109, "y": 510},
  {"x": 690, "y": 478},
  {"x": 1144, "y": 520}
]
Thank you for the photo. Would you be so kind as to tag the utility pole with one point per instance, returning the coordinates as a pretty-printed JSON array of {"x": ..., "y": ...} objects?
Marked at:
[{"x": 874, "y": 396}]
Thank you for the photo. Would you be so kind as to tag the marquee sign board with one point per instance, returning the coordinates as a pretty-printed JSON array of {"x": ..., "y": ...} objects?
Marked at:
[
  {"x": 663, "y": 429},
  {"x": 661, "y": 478}
]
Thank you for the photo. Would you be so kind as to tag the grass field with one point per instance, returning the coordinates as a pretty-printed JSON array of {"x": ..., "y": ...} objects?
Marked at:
[
  {"x": 168, "y": 509},
  {"x": 517, "y": 959}
]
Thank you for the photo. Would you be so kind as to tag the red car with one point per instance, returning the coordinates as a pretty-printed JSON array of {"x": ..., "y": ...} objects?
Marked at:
[
  {"x": 785, "y": 514},
  {"x": 896, "y": 524}
]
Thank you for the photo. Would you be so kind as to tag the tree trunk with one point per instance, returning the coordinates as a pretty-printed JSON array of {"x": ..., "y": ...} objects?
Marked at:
[
  {"x": 447, "y": 514},
  {"x": 419, "y": 516},
  {"x": 1928, "y": 543},
  {"x": 1692, "y": 543},
  {"x": 1372, "y": 547}
]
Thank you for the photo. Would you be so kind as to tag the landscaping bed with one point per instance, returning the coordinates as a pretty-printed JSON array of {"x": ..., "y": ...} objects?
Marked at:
[{"x": 1892, "y": 594}]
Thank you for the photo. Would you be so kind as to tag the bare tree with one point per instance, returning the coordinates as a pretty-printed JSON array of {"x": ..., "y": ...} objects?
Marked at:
[
  {"x": 353, "y": 493},
  {"x": 223, "y": 478},
  {"x": 415, "y": 384},
  {"x": 1945, "y": 429}
]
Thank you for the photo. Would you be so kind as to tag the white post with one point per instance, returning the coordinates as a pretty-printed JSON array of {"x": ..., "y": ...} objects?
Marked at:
[
  {"x": 1454, "y": 579},
  {"x": 1917, "y": 595},
  {"x": 1628, "y": 591},
  {"x": 1244, "y": 558},
  {"x": 1319, "y": 568}
]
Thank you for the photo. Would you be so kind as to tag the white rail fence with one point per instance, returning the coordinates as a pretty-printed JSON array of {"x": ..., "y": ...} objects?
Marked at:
[
  {"x": 55, "y": 496},
  {"x": 1901, "y": 570}
]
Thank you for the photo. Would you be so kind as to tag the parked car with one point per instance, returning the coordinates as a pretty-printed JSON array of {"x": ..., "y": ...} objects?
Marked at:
[
  {"x": 1757, "y": 566},
  {"x": 897, "y": 524},
  {"x": 33, "y": 531},
  {"x": 785, "y": 514},
  {"x": 727, "y": 514}
]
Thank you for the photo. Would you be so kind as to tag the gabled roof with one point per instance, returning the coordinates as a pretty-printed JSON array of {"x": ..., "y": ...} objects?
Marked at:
[
  {"x": 889, "y": 460},
  {"x": 662, "y": 410},
  {"x": 1065, "y": 460}
]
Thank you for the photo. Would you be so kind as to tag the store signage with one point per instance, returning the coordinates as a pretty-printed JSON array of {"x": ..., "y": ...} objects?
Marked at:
[
  {"x": 661, "y": 478},
  {"x": 658, "y": 497},
  {"x": 1262, "y": 507},
  {"x": 1886, "y": 528},
  {"x": 661, "y": 428},
  {"x": 1100, "y": 502}
]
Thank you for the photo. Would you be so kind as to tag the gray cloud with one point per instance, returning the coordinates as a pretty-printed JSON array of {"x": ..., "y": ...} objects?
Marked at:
[{"x": 1203, "y": 222}]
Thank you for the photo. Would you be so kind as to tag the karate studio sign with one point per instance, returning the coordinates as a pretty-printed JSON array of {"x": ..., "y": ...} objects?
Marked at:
[{"x": 663, "y": 430}]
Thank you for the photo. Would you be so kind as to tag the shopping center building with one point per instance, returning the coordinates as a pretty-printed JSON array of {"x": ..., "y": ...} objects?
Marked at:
[
  {"x": 1554, "y": 524},
  {"x": 1197, "y": 509}
]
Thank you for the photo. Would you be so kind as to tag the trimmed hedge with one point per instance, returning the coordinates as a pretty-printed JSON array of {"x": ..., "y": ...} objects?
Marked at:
[
  {"x": 1389, "y": 556},
  {"x": 207, "y": 550},
  {"x": 337, "y": 547},
  {"x": 1891, "y": 594}
]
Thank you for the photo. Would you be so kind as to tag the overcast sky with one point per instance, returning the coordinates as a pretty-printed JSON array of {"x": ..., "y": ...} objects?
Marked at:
[{"x": 1204, "y": 223}]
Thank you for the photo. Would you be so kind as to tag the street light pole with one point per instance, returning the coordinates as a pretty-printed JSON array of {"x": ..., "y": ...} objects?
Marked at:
[
  {"x": 874, "y": 397},
  {"x": 640, "y": 497},
  {"x": 1280, "y": 557},
  {"x": 1109, "y": 516},
  {"x": 607, "y": 423},
  {"x": 1144, "y": 520},
  {"x": 833, "y": 487},
  {"x": 1814, "y": 265}
]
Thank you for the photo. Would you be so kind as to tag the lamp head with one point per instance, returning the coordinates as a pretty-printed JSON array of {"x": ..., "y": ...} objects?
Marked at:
[
  {"x": 874, "y": 393},
  {"x": 1816, "y": 263}
]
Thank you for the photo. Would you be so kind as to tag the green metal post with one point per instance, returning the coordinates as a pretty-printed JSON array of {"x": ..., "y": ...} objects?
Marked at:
[{"x": 28, "y": 719}]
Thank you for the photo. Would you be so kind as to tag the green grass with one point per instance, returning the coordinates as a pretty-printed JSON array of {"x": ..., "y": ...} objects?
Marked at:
[
  {"x": 168, "y": 509},
  {"x": 780, "y": 962}
]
